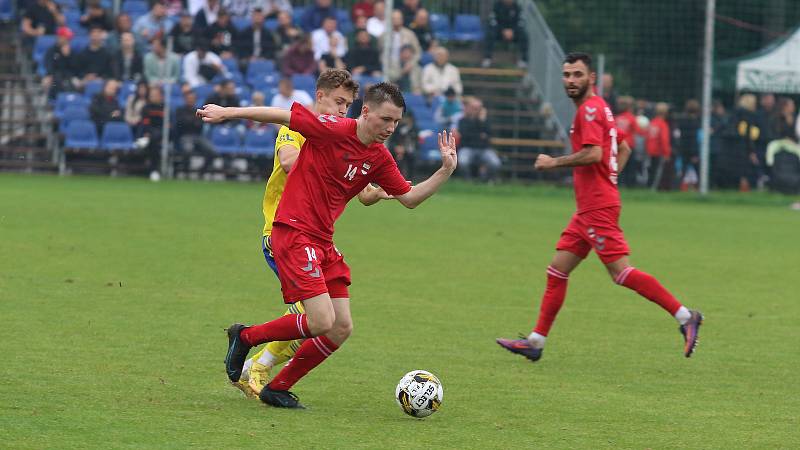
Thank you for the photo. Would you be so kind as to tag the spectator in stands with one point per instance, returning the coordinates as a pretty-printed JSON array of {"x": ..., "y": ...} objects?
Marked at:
[
  {"x": 286, "y": 33},
  {"x": 183, "y": 35},
  {"x": 333, "y": 59},
  {"x": 783, "y": 126},
  {"x": 173, "y": 7},
  {"x": 271, "y": 8},
  {"x": 376, "y": 25},
  {"x": 60, "y": 64},
  {"x": 402, "y": 36},
  {"x": 95, "y": 60},
  {"x": 237, "y": 8},
  {"x": 421, "y": 26},
  {"x": 659, "y": 150},
  {"x": 202, "y": 65},
  {"x": 189, "y": 129},
  {"x": 321, "y": 39},
  {"x": 257, "y": 99},
  {"x": 287, "y": 95},
  {"x": 719, "y": 123},
  {"x": 221, "y": 35},
  {"x": 360, "y": 23},
  {"x": 299, "y": 58},
  {"x": 409, "y": 8},
  {"x": 406, "y": 73},
  {"x": 686, "y": 129},
  {"x": 96, "y": 16},
  {"x": 363, "y": 58},
  {"x": 41, "y": 17},
  {"x": 156, "y": 23},
  {"x": 476, "y": 152},
  {"x": 403, "y": 144},
  {"x": 206, "y": 15},
  {"x": 134, "y": 105},
  {"x": 314, "y": 15},
  {"x": 159, "y": 66},
  {"x": 506, "y": 24},
  {"x": 450, "y": 111},
  {"x": 440, "y": 74},
  {"x": 737, "y": 158},
  {"x": 105, "y": 107},
  {"x": 256, "y": 41},
  {"x": 152, "y": 129},
  {"x": 628, "y": 125},
  {"x": 122, "y": 24},
  {"x": 225, "y": 95},
  {"x": 365, "y": 8},
  {"x": 127, "y": 62}
]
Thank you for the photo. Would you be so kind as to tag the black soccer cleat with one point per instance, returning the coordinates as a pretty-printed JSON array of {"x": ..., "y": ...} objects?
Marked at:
[
  {"x": 280, "y": 399},
  {"x": 237, "y": 352},
  {"x": 690, "y": 330}
]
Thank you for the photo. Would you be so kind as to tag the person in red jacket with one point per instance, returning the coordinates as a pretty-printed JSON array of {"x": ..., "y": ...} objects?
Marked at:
[
  {"x": 659, "y": 149},
  {"x": 629, "y": 128}
]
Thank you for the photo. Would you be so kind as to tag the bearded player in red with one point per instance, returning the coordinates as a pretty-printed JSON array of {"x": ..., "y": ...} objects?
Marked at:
[
  {"x": 596, "y": 160},
  {"x": 340, "y": 157}
]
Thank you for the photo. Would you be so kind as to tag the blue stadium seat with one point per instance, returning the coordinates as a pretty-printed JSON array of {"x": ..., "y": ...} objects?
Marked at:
[
  {"x": 297, "y": 14},
  {"x": 366, "y": 80},
  {"x": 231, "y": 64},
  {"x": 81, "y": 133},
  {"x": 135, "y": 7},
  {"x": 304, "y": 82},
  {"x": 43, "y": 44},
  {"x": 271, "y": 24},
  {"x": 6, "y": 10},
  {"x": 440, "y": 25},
  {"x": 241, "y": 22},
  {"x": 415, "y": 100},
  {"x": 425, "y": 59},
  {"x": 343, "y": 22},
  {"x": 116, "y": 136},
  {"x": 203, "y": 91},
  {"x": 65, "y": 100},
  {"x": 72, "y": 17},
  {"x": 91, "y": 88},
  {"x": 467, "y": 27},
  {"x": 67, "y": 4},
  {"x": 258, "y": 69},
  {"x": 236, "y": 77},
  {"x": 226, "y": 140},
  {"x": 128, "y": 88},
  {"x": 244, "y": 93},
  {"x": 70, "y": 114},
  {"x": 260, "y": 141},
  {"x": 429, "y": 149},
  {"x": 79, "y": 43}
]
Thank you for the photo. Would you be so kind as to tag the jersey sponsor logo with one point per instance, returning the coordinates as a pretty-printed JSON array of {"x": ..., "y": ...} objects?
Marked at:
[
  {"x": 286, "y": 137},
  {"x": 589, "y": 117},
  {"x": 324, "y": 118},
  {"x": 365, "y": 168}
]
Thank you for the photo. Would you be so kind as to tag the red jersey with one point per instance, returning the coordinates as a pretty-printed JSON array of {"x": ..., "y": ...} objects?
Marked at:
[
  {"x": 595, "y": 184},
  {"x": 627, "y": 126},
  {"x": 657, "y": 143},
  {"x": 332, "y": 168}
]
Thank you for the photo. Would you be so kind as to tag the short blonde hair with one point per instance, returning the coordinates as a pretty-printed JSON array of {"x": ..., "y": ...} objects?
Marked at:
[{"x": 748, "y": 102}]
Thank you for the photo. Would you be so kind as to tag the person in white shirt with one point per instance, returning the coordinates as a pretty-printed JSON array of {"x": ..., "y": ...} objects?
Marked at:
[
  {"x": 198, "y": 65},
  {"x": 271, "y": 8},
  {"x": 376, "y": 24},
  {"x": 287, "y": 95},
  {"x": 321, "y": 39},
  {"x": 440, "y": 74}
]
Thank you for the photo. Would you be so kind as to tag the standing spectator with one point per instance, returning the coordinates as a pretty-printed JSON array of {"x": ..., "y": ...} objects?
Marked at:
[
  {"x": 659, "y": 150},
  {"x": 364, "y": 8},
  {"x": 737, "y": 158},
  {"x": 206, "y": 16},
  {"x": 152, "y": 130},
  {"x": 719, "y": 123},
  {"x": 476, "y": 151},
  {"x": 286, "y": 33},
  {"x": 221, "y": 35},
  {"x": 127, "y": 62},
  {"x": 400, "y": 36},
  {"x": 321, "y": 39},
  {"x": 95, "y": 60},
  {"x": 189, "y": 129},
  {"x": 160, "y": 67},
  {"x": 105, "y": 107},
  {"x": 783, "y": 127},
  {"x": 363, "y": 57},
  {"x": 314, "y": 15},
  {"x": 334, "y": 58},
  {"x": 299, "y": 58},
  {"x": 406, "y": 73},
  {"x": 153, "y": 24},
  {"x": 440, "y": 74},
  {"x": 60, "y": 64},
  {"x": 376, "y": 25},
  {"x": 686, "y": 132},
  {"x": 450, "y": 111},
  {"x": 42, "y": 17},
  {"x": 409, "y": 8},
  {"x": 96, "y": 16},
  {"x": 183, "y": 34},
  {"x": 122, "y": 25},
  {"x": 271, "y": 8},
  {"x": 202, "y": 65},
  {"x": 421, "y": 26},
  {"x": 134, "y": 105},
  {"x": 225, "y": 95},
  {"x": 287, "y": 95},
  {"x": 506, "y": 24},
  {"x": 609, "y": 92},
  {"x": 628, "y": 125},
  {"x": 403, "y": 145},
  {"x": 256, "y": 41}
]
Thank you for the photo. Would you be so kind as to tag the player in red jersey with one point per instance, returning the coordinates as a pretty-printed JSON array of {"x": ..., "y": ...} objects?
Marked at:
[
  {"x": 340, "y": 157},
  {"x": 598, "y": 154}
]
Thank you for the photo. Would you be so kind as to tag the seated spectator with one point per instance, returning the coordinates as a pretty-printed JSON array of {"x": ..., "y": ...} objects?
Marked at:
[
  {"x": 506, "y": 24},
  {"x": 403, "y": 144},
  {"x": 60, "y": 64},
  {"x": 450, "y": 111},
  {"x": 160, "y": 67},
  {"x": 96, "y": 16},
  {"x": 409, "y": 8},
  {"x": 476, "y": 152},
  {"x": 153, "y": 24},
  {"x": 287, "y": 95},
  {"x": 95, "y": 60},
  {"x": 173, "y": 7},
  {"x": 189, "y": 129},
  {"x": 134, "y": 105},
  {"x": 206, "y": 15},
  {"x": 406, "y": 73},
  {"x": 256, "y": 41},
  {"x": 314, "y": 15},
  {"x": 359, "y": 24},
  {"x": 286, "y": 33},
  {"x": 403, "y": 36},
  {"x": 333, "y": 59},
  {"x": 40, "y": 18},
  {"x": 225, "y": 95},
  {"x": 321, "y": 39},
  {"x": 363, "y": 8},
  {"x": 105, "y": 107},
  {"x": 258, "y": 99},
  {"x": 122, "y": 24},
  {"x": 202, "y": 65},
  {"x": 783, "y": 160},
  {"x": 127, "y": 62},
  {"x": 299, "y": 58},
  {"x": 221, "y": 35},
  {"x": 271, "y": 8},
  {"x": 376, "y": 25},
  {"x": 363, "y": 57},
  {"x": 152, "y": 126},
  {"x": 421, "y": 26},
  {"x": 183, "y": 35},
  {"x": 440, "y": 74}
]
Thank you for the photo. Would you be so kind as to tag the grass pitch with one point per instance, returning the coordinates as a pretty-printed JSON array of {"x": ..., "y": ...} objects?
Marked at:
[{"x": 114, "y": 295}]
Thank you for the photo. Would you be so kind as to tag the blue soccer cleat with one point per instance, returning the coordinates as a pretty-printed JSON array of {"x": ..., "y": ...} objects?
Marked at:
[
  {"x": 521, "y": 347},
  {"x": 689, "y": 331}
]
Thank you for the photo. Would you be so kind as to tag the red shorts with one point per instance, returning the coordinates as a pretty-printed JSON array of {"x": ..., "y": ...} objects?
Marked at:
[
  {"x": 307, "y": 266},
  {"x": 599, "y": 229}
]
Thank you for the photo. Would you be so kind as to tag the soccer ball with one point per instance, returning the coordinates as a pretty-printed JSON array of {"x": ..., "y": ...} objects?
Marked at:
[{"x": 419, "y": 393}]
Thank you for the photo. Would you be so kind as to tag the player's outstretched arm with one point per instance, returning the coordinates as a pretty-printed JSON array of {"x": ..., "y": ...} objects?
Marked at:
[
  {"x": 623, "y": 154},
  {"x": 421, "y": 192},
  {"x": 266, "y": 114},
  {"x": 589, "y": 154}
]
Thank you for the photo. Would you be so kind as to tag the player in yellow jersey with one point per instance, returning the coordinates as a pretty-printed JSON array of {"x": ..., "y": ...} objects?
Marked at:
[{"x": 335, "y": 92}]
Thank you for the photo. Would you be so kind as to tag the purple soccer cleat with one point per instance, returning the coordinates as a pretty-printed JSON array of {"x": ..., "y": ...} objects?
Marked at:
[
  {"x": 689, "y": 331},
  {"x": 521, "y": 347}
]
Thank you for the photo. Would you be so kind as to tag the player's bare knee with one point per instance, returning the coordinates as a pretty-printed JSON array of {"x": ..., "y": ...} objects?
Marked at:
[
  {"x": 321, "y": 323},
  {"x": 340, "y": 331}
]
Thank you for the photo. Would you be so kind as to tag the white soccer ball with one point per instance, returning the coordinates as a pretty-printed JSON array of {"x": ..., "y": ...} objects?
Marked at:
[{"x": 419, "y": 393}]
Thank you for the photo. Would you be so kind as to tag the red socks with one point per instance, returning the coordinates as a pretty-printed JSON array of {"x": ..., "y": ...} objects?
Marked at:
[
  {"x": 309, "y": 355},
  {"x": 648, "y": 287},
  {"x": 284, "y": 328},
  {"x": 552, "y": 300}
]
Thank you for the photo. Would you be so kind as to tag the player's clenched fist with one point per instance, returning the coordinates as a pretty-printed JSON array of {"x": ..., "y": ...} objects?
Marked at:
[
  {"x": 447, "y": 146},
  {"x": 211, "y": 113},
  {"x": 544, "y": 162}
]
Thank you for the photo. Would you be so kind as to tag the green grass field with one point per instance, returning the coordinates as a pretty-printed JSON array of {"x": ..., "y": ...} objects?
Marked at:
[{"x": 114, "y": 295}]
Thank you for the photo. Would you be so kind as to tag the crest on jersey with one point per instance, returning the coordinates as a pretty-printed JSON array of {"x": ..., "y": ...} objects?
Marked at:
[
  {"x": 590, "y": 113},
  {"x": 365, "y": 168}
]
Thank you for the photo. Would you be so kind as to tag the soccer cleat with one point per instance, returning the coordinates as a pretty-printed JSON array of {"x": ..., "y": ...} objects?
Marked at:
[
  {"x": 280, "y": 399},
  {"x": 245, "y": 388},
  {"x": 521, "y": 347},
  {"x": 259, "y": 377},
  {"x": 689, "y": 331},
  {"x": 237, "y": 352}
]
